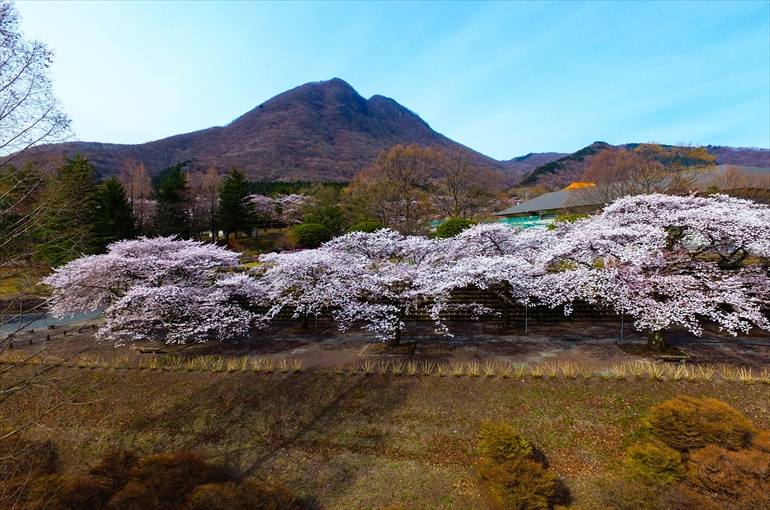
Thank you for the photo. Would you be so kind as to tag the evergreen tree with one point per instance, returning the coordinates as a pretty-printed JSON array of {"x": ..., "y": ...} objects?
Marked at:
[
  {"x": 171, "y": 217},
  {"x": 68, "y": 231},
  {"x": 113, "y": 219},
  {"x": 236, "y": 210}
]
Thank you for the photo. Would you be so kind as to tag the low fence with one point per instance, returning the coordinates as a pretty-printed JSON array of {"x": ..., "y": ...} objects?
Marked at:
[{"x": 465, "y": 304}]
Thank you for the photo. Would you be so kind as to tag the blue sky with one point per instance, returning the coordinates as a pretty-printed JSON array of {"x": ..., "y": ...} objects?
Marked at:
[{"x": 504, "y": 78}]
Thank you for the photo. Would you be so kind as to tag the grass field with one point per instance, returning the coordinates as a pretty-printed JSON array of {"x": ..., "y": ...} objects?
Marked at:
[{"x": 356, "y": 441}]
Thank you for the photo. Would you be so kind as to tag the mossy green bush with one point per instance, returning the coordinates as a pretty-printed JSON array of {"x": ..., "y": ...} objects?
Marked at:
[
  {"x": 310, "y": 235},
  {"x": 500, "y": 442},
  {"x": 685, "y": 423},
  {"x": 366, "y": 226},
  {"x": 510, "y": 471},
  {"x": 453, "y": 227},
  {"x": 519, "y": 484},
  {"x": 654, "y": 463},
  {"x": 566, "y": 218}
]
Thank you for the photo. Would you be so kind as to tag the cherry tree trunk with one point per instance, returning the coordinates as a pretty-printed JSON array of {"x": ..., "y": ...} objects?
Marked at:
[
  {"x": 395, "y": 339},
  {"x": 304, "y": 321},
  {"x": 506, "y": 316},
  {"x": 656, "y": 340}
]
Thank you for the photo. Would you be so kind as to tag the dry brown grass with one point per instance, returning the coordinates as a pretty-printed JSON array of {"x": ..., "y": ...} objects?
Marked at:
[{"x": 359, "y": 442}]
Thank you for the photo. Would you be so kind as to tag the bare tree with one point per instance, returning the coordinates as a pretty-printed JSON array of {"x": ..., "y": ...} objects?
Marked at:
[
  {"x": 395, "y": 191},
  {"x": 203, "y": 207},
  {"x": 29, "y": 112},
  {"x": 462, "y": 190},
  {"x": 209, "y": 195},
  {"x": 136, "y": 179},
  {"x": 34, "y": 200},
  {"x": 647, "y": 168}
]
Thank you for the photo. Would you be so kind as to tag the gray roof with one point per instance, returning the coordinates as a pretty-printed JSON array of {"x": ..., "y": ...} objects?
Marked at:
[
  {"x": 720, "y": 169},
  {"x": 581, "y": 197},
  {"x": 556, "y": 200}
]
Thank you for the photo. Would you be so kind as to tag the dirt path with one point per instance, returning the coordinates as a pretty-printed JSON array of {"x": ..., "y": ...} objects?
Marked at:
[{"x": 585, "y": 343}]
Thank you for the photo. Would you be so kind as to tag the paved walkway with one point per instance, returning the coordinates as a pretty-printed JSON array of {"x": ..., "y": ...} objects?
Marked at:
[{"x": 594, "y": 344}]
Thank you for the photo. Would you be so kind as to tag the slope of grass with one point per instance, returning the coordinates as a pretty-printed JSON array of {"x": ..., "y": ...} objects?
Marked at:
[{"x": 357, "y": 441}]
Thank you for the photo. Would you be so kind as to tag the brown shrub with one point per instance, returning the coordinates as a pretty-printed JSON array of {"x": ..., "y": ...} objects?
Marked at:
[
  {"x": 73, "y": 493},
  {"x": 244, "y": 496},
  {"x": 137, "y": 496},
  {"x": 519, "y": 484},
  {"x": 115, "y": 468},
  {"x": 23, "y": 462},
  {"x": 732, "y": 479},
  {"x": 683, "y": 497},
  {"x": 762, "y": 441},
  {"x": 162, "y": 481},
  {"x": 686, "y": 423}
]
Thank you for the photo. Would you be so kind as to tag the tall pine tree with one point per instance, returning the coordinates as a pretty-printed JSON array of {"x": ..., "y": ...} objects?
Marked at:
[
  {"x": 236, "y": 210},
  {"x": 69, "y": 217},
  {"x": 171, "y": 216},
  {"x": 113, "y": 219}
]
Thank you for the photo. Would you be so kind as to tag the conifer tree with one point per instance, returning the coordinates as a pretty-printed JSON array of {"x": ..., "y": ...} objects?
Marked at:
[
  {"x": 113, "y": 219},
  {"x": 69, "y": 218},
  {"x": 236, "y": 210},
  {"x": 171, "y": 217}
]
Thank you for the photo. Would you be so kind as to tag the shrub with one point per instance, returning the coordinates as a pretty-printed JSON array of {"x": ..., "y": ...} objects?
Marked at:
[
  {"x": 166, "y": 479},
  {"x": 566, "y": 218},
  {"x": 73, "y": 493},
  {"x": 512, "y": 473},
  {"x": 762, "y": 441},
  {"x": 366, "y": 226},
  {"x": 310, "y": 235},
  {"x": 453, "y": 227},
  {"x": 732, "y": 479},
  {"x": 23, "y": 464},
  {"x": 246, "y": 495},
  {"x": 654, "y": 463},
  {"x": 686, "y": 423},
  {"x": 114, "y": 470},
  {"x": 501, "y": 442},
  {"x": 701, "y": 454},
  {"x": 124, "y": 481},
  {"x": 519, "y": 484}
]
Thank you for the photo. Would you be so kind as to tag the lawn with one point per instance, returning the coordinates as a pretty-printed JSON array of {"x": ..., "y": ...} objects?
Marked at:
[{"x": 356, "y": 441}]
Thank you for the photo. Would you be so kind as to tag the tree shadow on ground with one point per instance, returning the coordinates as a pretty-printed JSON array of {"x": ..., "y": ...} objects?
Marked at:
[{"x": 258, "y": 424}]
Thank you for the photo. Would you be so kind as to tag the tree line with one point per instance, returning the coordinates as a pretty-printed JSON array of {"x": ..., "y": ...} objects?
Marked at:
[{"x": 662, "y": 260}]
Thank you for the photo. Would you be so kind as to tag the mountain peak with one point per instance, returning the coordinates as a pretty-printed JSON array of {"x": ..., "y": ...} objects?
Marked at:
[{"x": 323, "y": 131}]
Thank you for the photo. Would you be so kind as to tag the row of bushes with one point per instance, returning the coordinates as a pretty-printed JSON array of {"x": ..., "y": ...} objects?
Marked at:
[
  {"x": 122, "y": 480},
  {"x": 695, "y": 454},
  {"x": 637, "y": 370}
]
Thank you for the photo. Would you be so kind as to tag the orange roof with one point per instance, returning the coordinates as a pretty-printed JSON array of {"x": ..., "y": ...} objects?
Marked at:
[{"x": 576, "y": 185}]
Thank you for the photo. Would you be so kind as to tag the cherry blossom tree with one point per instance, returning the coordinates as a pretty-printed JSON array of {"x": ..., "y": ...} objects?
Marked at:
[
  {"x": 497, "y": 258},
  {"x": 290, "y": 207},
  {"x": 158, "y": 288},
  {"x": 667, "y": 260},
  {"x": 386, "y": 275},
  {"x": 265, "y": 208},
  {"x": 310, "y": 281}
]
